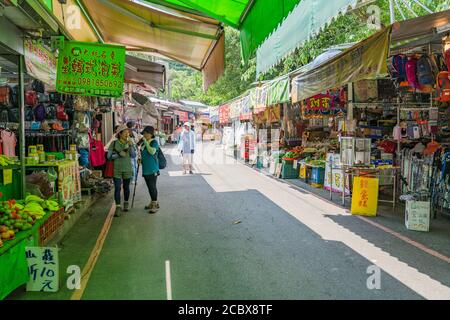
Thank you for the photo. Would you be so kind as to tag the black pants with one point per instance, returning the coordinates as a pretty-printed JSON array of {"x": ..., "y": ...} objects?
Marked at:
[
  {"x": 118, "y": 187},
  {"x": 150, "y": 180}
]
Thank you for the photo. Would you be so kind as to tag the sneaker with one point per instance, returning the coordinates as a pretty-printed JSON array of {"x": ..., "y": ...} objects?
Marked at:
[
  {"x": 118, "y": 212},
  {"x": 154, "y": 207},
  {"x": 190, "y": 172},
  {"x": 126, "y": 206}
]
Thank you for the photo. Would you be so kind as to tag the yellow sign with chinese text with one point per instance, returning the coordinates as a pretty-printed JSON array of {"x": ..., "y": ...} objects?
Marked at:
[
  {"x": 7, "y": 176},
  {"x": 365, "y": 196}
]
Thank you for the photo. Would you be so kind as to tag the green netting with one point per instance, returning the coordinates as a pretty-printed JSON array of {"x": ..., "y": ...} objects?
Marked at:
[
  {"x": 226, "y": 11},
  {"x": 260, "y": 21}
]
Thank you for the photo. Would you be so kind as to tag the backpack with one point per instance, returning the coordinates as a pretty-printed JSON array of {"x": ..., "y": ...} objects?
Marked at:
[
  {"x": 162, "y": 162},
  {"x": 60, "y": 113},
  {"x": 55, "y": 97},
  {"x": 447, "y": 59},
  {"x": 4, "y": 114},
  {"x": 15, "y": 96},
  {"x": 50, "y": 112},
  {"x": 31, "y": 98},
  {"x": 443, "y": 86},
  {"x": 424, "y": 71},
  {"x": 397, "y": 67},
  {"x": 39, "y": 112},
  {"x": 411, "y": 72},
  {"x": 38, "y": 86},
  {"x": 96, "y": 152},
  {"x": 29, "y": 113}
]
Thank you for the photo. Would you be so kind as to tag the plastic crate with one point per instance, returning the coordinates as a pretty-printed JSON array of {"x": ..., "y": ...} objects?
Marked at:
[
  {"x": 288, "y": 171},
  {"x": 51, "y": 227},
  {"x": 317, "y": 177}
]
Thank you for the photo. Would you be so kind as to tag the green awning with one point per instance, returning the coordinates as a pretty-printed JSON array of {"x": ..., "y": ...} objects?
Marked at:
[
  {"x": 256, "y": 19},
  {"x": 305, "y": 21}
]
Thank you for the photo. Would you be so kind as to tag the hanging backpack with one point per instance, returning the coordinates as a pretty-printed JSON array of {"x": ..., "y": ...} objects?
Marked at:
[
  {"x": 4, "y": 114},
  {"x": 397, "y": 66},
  {"x": 31, "y": 98},
  {"x": 60, "y": 113},
  {"x": 38, "y": 86},
  {"x": 411, "y": 72},
  {"x": 15, "y": 96},
  {"x": 443, "y": 86},
  {"x": 39, "y": 112},
  {"x": 29, "y": 113},
  {"x": 424, "y": 71},
  {"x": 55, "y": 97},
  {"x": 50, "y": 112},
  {"x": 447, "y": 59}
]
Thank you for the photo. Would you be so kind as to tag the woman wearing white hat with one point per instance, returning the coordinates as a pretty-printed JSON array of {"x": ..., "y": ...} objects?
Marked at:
[{"x": 187, "y": 146}]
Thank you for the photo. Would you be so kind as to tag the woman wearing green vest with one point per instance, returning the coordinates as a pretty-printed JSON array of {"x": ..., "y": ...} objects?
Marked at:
[
  {"x": 121, "y": 151},
  {"x": 150, "y": 166}
]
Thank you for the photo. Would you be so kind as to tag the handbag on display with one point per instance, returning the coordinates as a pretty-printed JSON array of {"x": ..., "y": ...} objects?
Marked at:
[
  {"x": 31, "y": 98},
  {"x": 43, "y": 97},
  {"x": 35, "y": 125},
  {"x": 96, "y": 152}
]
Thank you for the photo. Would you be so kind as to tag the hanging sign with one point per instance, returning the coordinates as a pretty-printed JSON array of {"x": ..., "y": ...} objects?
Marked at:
[
  {"x": 273, "y": 114},
  {"x": 7, "y": 176},
  {"x": 321, "y": 105},
  {"x": 40, "y": 62},
  {"x": 43, "y": 269},
  {"x": 91, "y": 69},
  {"x": 246, "y": 111},
  {"x": 224, "y": 114},
  {"x": 365, "y": 196}
]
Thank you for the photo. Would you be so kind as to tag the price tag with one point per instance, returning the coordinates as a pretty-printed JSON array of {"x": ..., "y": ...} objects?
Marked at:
[
  {"x": 295, "y": 164},
  {"x": 7, "y": 176}
]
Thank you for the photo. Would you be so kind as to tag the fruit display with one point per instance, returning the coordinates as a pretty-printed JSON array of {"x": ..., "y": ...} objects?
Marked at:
[
  {"x": 21, "y": 215},
  {"x": 6, "y": 161}
]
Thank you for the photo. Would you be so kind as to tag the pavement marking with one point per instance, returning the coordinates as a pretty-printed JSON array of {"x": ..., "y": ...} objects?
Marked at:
[
  {"x": 393, "y": 233},
  {"x": 95, "y": 253},
  {"x": 168, "y": 281},
  {"x": 407, "y": 240}
]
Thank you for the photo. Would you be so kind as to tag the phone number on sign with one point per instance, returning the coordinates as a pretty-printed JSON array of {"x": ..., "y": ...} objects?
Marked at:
[{"x": 99, "y": 83}]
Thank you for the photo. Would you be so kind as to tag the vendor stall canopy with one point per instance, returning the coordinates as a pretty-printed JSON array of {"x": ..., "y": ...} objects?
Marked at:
[
  {"x": 256, "y": 19},
  {"x": 192, "y": 39}
]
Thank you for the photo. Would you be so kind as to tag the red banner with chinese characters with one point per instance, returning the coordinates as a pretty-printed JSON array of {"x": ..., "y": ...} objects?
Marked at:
[
  {"x": 320, "y": 102},
  {"x": 224, "y": 114}
]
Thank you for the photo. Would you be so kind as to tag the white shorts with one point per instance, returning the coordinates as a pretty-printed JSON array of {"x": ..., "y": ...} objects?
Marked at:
[{"x": 187, "y": 159}]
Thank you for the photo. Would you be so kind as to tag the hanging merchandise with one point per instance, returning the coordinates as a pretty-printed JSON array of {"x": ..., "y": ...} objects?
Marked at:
[
  {"x": 424, "y": 71},
  {"x": 96, "y": 152},
  {"x": 443, "y": 87},
  {"x": 31, "y": 98},
  {"x": 60, "y": 113},
  {"x": 411, "y": 72},
  {"x": 9, "y": 142},
  {"x": 5, "y": 95}
]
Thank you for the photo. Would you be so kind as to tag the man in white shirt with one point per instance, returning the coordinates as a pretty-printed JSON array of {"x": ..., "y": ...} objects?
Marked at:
[{"x": 187, "y": 146}]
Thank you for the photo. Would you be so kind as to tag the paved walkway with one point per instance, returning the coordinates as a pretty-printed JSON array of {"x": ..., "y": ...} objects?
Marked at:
[{"x": 229, "y": 232}]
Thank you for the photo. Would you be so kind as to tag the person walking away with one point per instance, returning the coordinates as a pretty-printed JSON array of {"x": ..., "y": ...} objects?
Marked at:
[
  {"x": 121, "y": 151},
  {"x": 150, "y": 166},
  {"x": 187, "y": 147}
]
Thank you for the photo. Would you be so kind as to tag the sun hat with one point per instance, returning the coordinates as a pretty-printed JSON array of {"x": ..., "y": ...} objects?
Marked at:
[
  {"x": 148, "y": 129},
  {"x": 121, "y": 128}
]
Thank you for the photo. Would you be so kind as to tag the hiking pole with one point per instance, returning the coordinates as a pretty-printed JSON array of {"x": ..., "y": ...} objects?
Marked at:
[{"x": 135, "y": 183}]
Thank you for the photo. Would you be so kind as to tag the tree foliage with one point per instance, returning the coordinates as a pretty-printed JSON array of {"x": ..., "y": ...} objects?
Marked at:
[{"x": 186, "y": 83}]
